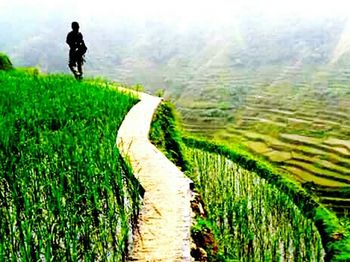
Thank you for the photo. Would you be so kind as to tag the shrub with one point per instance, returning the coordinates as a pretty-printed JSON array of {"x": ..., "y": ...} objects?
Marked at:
[{"x": 5, "y": 62}]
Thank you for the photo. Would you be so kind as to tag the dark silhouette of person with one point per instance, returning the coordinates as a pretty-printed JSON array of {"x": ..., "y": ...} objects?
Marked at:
[{"x": 77, "y": 51}]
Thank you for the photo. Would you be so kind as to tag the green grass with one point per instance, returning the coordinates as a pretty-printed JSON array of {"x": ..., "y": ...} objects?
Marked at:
[
  {"x": 335, "y": 237},
  {"x": 164, "y": 134},
  {"x": 65, "y": 192},
  {"x": 243, "y": 192},
  {"x": 252, "y": 219}
]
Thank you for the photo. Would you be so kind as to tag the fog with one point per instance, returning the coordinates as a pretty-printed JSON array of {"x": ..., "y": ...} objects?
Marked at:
[
  {"x": 218, "y": 11},
  {"x": 148, "y": 41}
]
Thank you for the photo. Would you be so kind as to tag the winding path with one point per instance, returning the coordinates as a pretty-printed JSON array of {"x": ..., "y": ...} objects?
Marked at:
[{"x": 165, "y": 217}]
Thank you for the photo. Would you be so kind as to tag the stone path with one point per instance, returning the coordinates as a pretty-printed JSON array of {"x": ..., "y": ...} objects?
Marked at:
[{"x": 165, "y": 218}]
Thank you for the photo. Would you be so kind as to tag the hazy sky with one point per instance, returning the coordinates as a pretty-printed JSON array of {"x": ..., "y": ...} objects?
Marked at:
[
  {"x": 23, "y": 22},
  {"x": 186, "y": 10}
]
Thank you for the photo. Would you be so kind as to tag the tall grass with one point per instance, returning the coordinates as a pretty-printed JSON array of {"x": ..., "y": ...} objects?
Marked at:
[
  {"x": 164, "y": 134},
  {"x": 65, "y": 192},
  {"x": 253, "y": 220}
]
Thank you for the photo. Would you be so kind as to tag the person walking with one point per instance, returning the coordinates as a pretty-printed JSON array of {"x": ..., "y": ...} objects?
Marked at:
[{"x": 77, "y": 51}]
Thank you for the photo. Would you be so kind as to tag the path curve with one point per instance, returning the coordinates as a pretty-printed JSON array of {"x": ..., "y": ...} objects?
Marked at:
[{"x": 165, "y": 217}]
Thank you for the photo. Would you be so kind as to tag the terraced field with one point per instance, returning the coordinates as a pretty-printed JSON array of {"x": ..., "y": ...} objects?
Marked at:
[{"x": 299, "y": 120}]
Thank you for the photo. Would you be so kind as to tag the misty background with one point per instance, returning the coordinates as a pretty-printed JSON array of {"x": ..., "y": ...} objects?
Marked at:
[
  {"x": 145, "y": 34},
  {"x": 188, "y": 48}
]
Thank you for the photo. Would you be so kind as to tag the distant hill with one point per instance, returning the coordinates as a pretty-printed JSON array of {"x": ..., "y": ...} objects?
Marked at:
[{"x": 174, "y": 56}]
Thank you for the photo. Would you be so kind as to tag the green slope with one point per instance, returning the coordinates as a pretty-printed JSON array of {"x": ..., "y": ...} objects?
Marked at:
[{"x": 65, "y": 192}]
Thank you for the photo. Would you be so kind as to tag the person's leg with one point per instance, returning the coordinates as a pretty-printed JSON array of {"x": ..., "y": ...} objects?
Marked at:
[
  {"x": 72, "y": 63},
  {"x": 72, "y": 67},
  {"x": 80, "y": 68},
  {"x": 80, "y": 62}
]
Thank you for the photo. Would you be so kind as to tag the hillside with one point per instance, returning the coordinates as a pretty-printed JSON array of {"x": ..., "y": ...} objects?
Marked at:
[
  {"x": 249, "y": 210},
  {"x": 279, "y": 88},
  {"x": 300, "y": 124},
  {"x": 65, "y": 192},
  {"x": 176, "y": 56}
]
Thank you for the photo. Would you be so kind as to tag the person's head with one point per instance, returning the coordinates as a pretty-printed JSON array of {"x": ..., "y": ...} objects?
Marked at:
[{"x": 75, "y": 26}]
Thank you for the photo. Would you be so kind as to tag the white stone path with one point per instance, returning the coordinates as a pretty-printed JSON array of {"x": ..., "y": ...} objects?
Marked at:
[{"x": 165, "y": 217}]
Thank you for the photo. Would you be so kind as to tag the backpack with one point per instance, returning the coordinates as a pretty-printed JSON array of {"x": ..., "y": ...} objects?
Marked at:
[{"x": 82, "y": 49}]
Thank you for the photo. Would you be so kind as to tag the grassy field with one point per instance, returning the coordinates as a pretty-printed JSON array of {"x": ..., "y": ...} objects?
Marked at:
[
  {"x": 65, "y": 192},
  {"x": 299, "y": 120},
  {"x": 252, "y": 219},
  {"x": 254, "y": 211}
]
